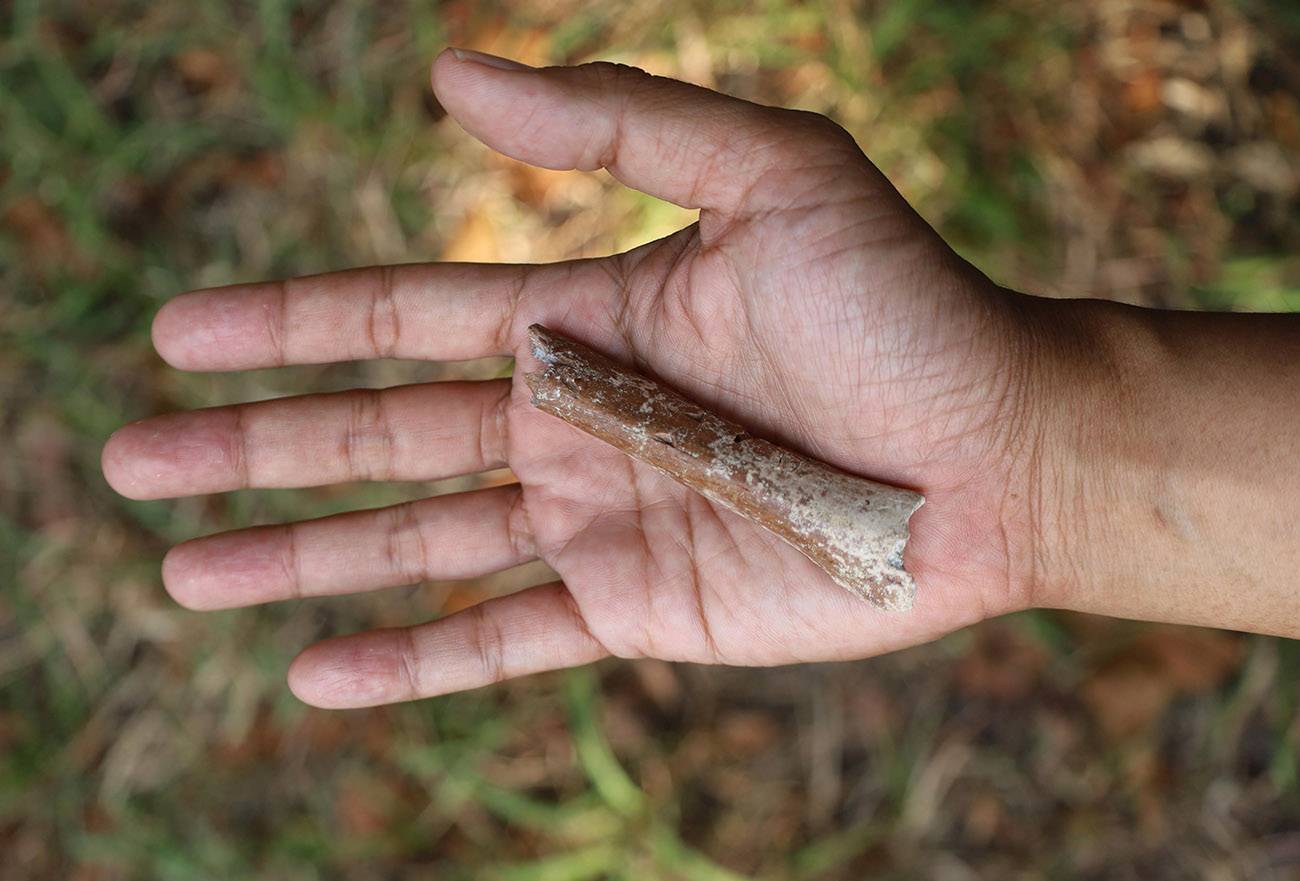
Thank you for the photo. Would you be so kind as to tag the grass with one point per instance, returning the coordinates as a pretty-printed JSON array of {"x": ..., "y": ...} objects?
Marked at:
[{"x": 150, "y": 148}]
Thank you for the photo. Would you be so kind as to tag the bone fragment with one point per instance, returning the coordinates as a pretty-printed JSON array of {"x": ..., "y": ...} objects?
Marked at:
[{"x": 853, "y": 528}]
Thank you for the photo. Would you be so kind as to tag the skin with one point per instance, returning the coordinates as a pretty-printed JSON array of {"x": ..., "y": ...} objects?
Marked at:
[{"x": 809, "y": 303}]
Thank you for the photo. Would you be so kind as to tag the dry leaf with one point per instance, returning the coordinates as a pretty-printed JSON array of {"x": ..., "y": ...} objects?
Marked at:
[
  {"x": 474, "y": 241},
  {"x": 1131, "y": 690},
  {"x": 204, "y": 69}
]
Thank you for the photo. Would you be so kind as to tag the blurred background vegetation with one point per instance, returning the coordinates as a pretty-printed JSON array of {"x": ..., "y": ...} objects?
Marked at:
[{"x": 1137, "y": 149}]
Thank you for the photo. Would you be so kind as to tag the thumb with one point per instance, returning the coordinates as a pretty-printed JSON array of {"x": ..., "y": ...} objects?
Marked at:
[{"x": 679, "y": 142}]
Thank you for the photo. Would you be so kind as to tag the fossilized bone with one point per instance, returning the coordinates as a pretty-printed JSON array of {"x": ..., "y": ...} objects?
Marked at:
[{"x": 853, "y": 528}]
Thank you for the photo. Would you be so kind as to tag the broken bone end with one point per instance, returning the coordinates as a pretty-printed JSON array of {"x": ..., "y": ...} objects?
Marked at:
[{"x": 873, "y": 567}]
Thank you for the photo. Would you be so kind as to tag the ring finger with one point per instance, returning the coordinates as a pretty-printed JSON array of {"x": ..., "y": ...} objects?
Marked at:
[{"x": 464, "y": 535}]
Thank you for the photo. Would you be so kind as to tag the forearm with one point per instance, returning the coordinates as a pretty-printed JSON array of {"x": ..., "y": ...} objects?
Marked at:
[{"x": 1170, "y": 489}]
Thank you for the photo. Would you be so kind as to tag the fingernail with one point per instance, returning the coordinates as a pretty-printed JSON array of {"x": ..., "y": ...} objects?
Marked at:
[{"x": 490, "y": 60}]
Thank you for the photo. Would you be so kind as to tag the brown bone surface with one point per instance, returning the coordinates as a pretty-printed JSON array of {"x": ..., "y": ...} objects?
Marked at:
[{"x": 853, "y": 528}]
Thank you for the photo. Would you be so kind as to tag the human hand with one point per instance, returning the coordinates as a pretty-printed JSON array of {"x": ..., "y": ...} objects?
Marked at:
[{"x": 809, "y": 303}]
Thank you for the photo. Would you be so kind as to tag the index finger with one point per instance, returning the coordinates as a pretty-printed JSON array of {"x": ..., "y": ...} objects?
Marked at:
[{"x": 433, "y": 311}]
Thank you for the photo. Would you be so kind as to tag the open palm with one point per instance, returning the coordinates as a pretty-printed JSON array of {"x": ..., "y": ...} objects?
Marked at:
[{"x": 809, "y": 303}]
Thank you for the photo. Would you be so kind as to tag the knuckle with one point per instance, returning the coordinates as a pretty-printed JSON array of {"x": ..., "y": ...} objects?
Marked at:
[
  {"x": 512, "y": 302},
  {"x": 485, "y": 641},
  {"x": 405, "y": 551},
  {"x": 277, "y": 321},
  {"x": 519, "y": 531},
  {"x": 612, "y": 86},
  {"x": 612, "y": 73},
  {"x": 291, "y": 562},
  {"x": 408, "y": 664},
  {"x": 493, "y": 429},
  {"x": 368, "y": 441},
  {"x": 238, "y": 452},
  {"x": 384, "y": 325}
]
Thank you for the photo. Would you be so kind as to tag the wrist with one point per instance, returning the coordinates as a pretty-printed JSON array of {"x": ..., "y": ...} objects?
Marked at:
[
  {"x": 1163, "y": 478},
  {"x": 1082, "y": 452}
]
